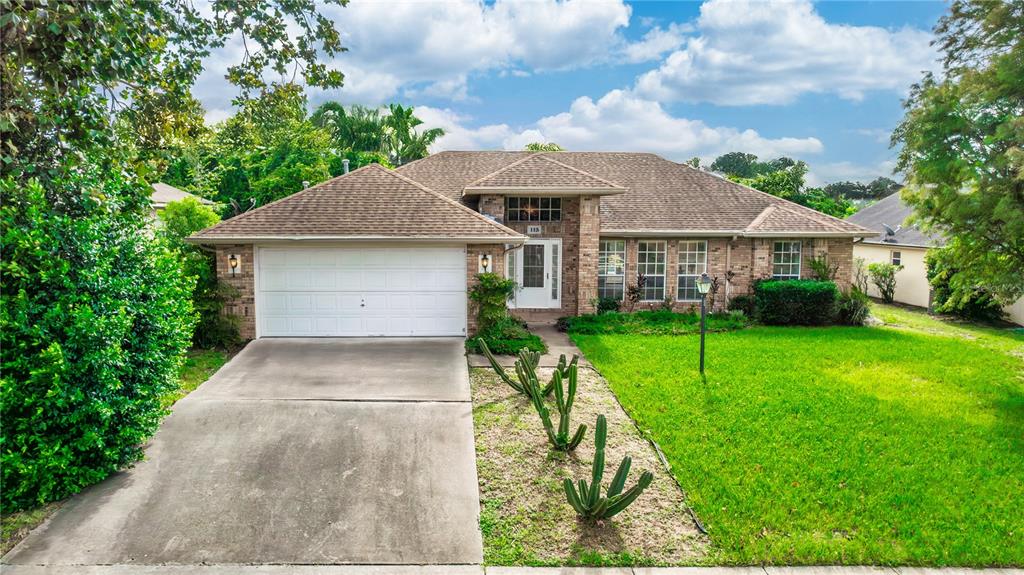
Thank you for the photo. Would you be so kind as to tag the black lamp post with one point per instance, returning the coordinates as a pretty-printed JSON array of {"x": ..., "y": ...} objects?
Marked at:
[{"x": 703, "y": 286}]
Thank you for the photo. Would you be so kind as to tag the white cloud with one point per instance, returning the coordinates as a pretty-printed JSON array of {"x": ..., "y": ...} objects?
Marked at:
[
  {"x": 656, "y": 42},
  {"x": 751, "y": 52},
  {"x": 828, "y": 173},
  {"x": 617, "y": 121}
]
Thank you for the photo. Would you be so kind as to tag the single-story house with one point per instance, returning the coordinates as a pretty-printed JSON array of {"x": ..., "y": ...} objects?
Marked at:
[
  {"x": 164, "y": 194},
  {"x": 393, "y": 252},
  {"x": 901, "y": 243}
]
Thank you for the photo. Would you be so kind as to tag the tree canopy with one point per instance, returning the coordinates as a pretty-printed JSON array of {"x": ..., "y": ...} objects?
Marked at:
[{"x": 962, "y": 147}]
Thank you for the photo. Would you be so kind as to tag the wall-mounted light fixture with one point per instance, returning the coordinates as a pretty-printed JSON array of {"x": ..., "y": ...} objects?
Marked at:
[
  {"x": 485, "y": 263},
  {"x": 234, "y": 262}
]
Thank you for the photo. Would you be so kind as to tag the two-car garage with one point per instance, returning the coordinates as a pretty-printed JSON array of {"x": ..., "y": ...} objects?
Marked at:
[{"x": 332, "y": 291}]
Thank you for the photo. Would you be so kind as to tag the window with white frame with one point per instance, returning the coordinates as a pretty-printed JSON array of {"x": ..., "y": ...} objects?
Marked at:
[
  {"x": 650, "y": 261},
  {"x": 611, "y": 269},
  {"x": 786, "y": 260},
  {"x": 693, "y": 261},
  {"x": 533, "y": 209},
  {"x": 896, "y": 258}
]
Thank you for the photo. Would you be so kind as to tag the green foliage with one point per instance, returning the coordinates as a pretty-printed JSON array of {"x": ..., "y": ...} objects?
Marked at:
[
  {"x": 564, "y": 399},
  {"x": 94, "y": 320},
  {"x": 860, "y": 274},
  {"x": 823, "y": 269},
  {"x": 876, "y": 189},
  {"x": 852, "y": 307},
  {"x": 962, "y": 147},
  {"x": 543, "y": 147},
  {"x": 788, "y": 183},
  {"x": 952, "y": 297},
  {"x": 403, "y": 142},
  {"x": 608, "y": 304},
  {"x": 650, "y": 323},
  {"x": 795, "y": 302},
  {"x": 180, "y": 220},
  {"x": 745, "y": 303},
  {"x": 736, "y": 164},
  {"x": 883, "y": 276},
  {"x": 507, "y": 337},
  {"x": 866, "y": 422},
  {"x": 526, "y": 382},
  {"x": 491, "y": 294},
  {"x": 588, "y": 501}
]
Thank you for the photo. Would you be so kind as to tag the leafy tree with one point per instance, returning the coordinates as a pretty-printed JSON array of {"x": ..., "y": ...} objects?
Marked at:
[
  {"x": 544, "y": 147},
  {"x": 881, "y": 187},
  {"x": 976, "y": 303},
  {"x": 736, "y": 164},
  {"x": 883, "y": 275},
  {"x": 402, "y": 141},
  {"x": 96, "y": 311},
  {"x": 694, "y": 161},
  {"x": 962, "y": 147},
  {"x": 788, "y": 183}
]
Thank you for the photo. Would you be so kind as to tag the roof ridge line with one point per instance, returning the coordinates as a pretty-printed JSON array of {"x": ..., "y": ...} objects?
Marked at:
[
  {"x": 502, "y": 169},
  {"x": 760, "y": 217},
  {"x": 458, "y": 205},
  {"x": 580, "y": 171},
  {"x": 247, "y": 213}
]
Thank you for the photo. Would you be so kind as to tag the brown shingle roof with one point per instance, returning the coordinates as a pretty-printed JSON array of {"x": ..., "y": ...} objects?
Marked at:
[
  {"x": 369, "y": 203},
  {"x": 541, "y": 171},
  {"x": 662, "y": 196}
]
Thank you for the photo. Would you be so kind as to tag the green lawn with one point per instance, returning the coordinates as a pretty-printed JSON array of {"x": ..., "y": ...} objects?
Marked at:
[{"x": 901, "y": 444}]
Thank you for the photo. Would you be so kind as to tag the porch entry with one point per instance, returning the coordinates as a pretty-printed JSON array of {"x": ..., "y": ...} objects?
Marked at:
[{"x": 537, "y": 269}]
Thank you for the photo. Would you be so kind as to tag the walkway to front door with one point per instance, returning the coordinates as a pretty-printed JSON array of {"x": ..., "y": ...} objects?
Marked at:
[{"x": 299, "y": 451}]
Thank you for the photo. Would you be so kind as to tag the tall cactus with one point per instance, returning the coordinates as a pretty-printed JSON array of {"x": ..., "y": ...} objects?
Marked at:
[
  {"x": 587, "y": 501},
  {"x": 563, "y": 367},
  {"x": 526, "y": 371},
  {"x": 564, "y": 399}
]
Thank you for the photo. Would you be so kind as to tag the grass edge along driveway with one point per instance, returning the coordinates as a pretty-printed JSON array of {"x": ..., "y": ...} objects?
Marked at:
[{"x": 839, "y": 445}]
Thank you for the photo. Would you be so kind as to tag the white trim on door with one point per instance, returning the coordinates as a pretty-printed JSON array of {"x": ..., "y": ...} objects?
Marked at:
[{"x": 548, "y": 295}]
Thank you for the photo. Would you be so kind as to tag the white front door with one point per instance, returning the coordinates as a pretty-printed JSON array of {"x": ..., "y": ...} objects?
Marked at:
[
  {"x": 538, "y": 274},
  {"x": 360, "y": 291}
]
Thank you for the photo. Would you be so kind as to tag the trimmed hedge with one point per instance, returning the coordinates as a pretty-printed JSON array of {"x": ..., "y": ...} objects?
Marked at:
[
  {"x": 507, "y": 337},
  {"x": 796, "y": 302}
]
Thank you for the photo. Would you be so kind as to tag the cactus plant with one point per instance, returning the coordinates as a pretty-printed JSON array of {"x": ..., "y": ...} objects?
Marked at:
[
  {"x": 587, "y": 501},
  {"x": 526, "y": 371},
  {"x": 563, "y": 367},
  {"x": 564, "y": 399}
]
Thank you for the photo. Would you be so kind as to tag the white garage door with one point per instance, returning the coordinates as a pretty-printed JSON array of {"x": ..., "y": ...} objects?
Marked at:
[{"x": 361, "y": 291}]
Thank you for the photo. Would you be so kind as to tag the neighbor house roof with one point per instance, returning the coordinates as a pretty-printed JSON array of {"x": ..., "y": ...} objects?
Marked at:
[
  {"x": 164, "y": 194},
  {"x": 371, "y": 203},
  {"x": 662, "y": 197},
  {"x": 893, "y": 212}
]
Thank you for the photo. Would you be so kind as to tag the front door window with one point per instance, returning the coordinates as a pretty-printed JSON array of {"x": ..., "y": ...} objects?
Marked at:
[{"x": 533, "y": 265}]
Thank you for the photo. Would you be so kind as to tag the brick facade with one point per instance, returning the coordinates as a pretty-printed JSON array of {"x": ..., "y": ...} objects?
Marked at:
[
  {"x": 243, "y": 306},
  {"x": 496, "y": 252}
]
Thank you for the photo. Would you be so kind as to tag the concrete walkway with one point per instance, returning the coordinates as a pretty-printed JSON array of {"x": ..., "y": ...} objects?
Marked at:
[
  {"x": 558, "y": 343},
  {"x": 479, "y": 570},
  {"x": 299, "y": 451}
]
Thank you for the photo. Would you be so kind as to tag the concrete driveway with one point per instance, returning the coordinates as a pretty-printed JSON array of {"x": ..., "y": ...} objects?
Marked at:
[{"x": 299, "y": 451}]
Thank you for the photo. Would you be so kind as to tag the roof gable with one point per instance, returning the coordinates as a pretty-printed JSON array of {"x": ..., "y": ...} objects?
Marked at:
[
  {"x": 893, "y": 212},
  {"x": 541, "y": 172},
  {"x": 370, "y": 203}
]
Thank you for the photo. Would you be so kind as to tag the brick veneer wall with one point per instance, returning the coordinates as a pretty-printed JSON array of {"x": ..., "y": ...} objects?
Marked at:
[
  {"x": 243, "y": 305},
  {"x": 473, "y": 253},
  {"x": 579, "y": 231}
]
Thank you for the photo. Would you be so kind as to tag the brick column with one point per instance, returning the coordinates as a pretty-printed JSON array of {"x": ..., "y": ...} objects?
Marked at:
[
  {"x": 243, "y": 305},
  {"x": 761, "y": 261},
  {"x": 590, "y": 231},
  {"x": 840, "y": 251},
  {"x": 473, "y": 252}
]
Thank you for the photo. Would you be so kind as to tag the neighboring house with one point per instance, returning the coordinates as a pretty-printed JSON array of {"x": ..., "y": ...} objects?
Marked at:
[
  {"x": 903, "y": 244},
  {"x": 393, "y": 253},
  {"x": 164, "y": 194}
]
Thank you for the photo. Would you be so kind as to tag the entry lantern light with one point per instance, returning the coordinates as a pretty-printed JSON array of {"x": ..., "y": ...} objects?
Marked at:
[
  {"x": 703, "y": 287},
  {"x": 485, "y": 262},
  {"x": 233, "y": 263}
]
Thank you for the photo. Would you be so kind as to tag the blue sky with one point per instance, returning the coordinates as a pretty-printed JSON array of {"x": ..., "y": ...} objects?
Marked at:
[{"x": 818, "y": 81}]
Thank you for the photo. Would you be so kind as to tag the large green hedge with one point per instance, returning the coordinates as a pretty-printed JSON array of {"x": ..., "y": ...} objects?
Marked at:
[
  {"x": 95, "y": 317},
  {"x": 796, "y": 302}
]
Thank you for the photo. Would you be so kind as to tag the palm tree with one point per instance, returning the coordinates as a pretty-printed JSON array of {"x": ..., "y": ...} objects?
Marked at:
[
  {"x": 359, "y": 128},
  {"x": 403, "y": 143}
]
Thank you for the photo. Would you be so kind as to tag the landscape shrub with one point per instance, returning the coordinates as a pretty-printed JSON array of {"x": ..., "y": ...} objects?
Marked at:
[
  {"x": 95, "y": 316},
  {"x": 973, "y": 303},
  {"x": 823, "y": 269},
  {"x": 491, "y": 294},
  {"x": 657, "y": 322},
  {"x": 745, "y": 303},
  {"x": 883, "y": 275},
  {"x": 507, "y": 337},
  {"x": 180, "y": 220},
  {"x": 852, "y": 307},
  {"x": 608, "y": 304},
  {"x": 795, "y": 302}
]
